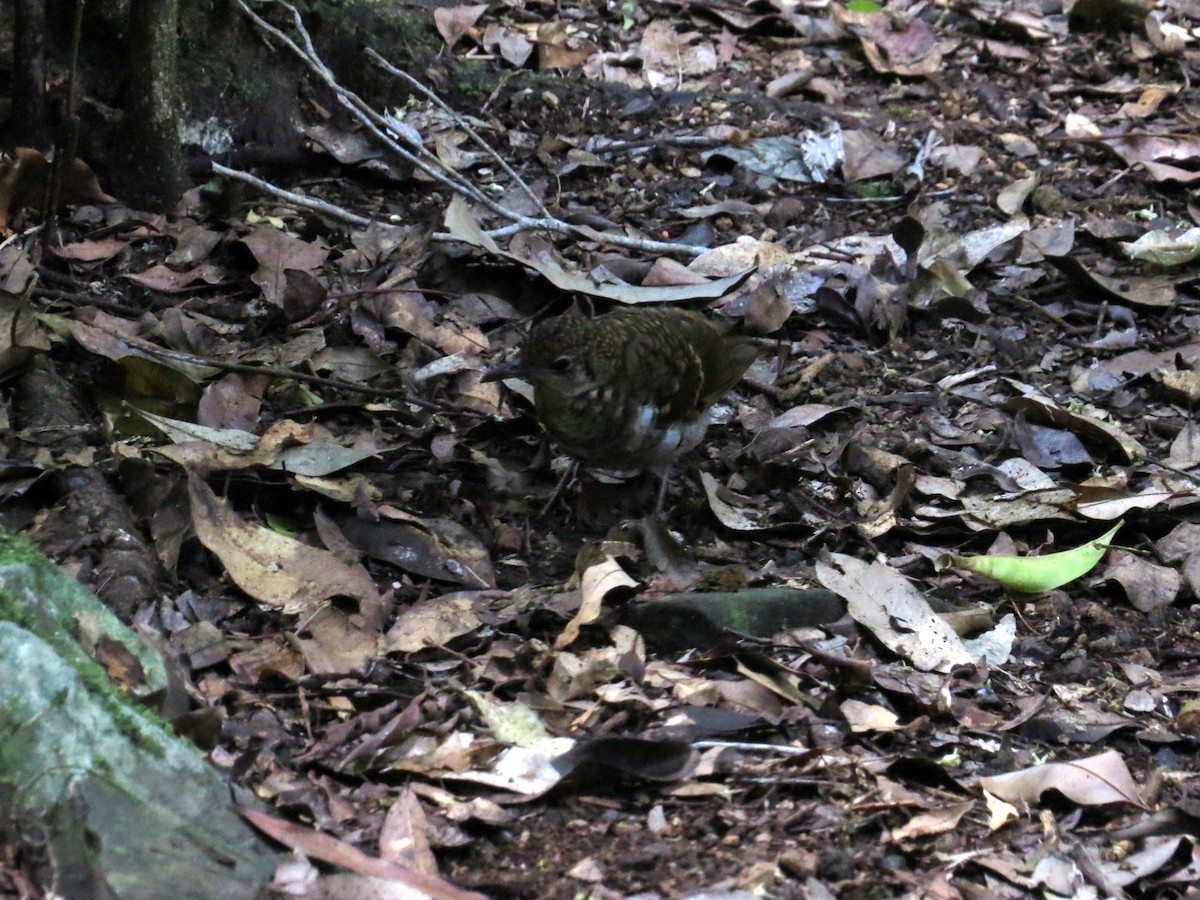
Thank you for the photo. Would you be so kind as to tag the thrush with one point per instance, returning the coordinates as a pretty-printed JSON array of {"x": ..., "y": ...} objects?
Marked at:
[{"x": 630, "y": 390}]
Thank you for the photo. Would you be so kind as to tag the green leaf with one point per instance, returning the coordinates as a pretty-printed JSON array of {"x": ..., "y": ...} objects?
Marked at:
[
  {"x": 874, "y": 190},
  {"x": 1034, "y": 574}
]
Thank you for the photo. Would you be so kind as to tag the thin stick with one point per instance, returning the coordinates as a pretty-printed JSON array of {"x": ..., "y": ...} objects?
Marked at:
[
  {"x": 421, "y": 158},
  {"x": 462, "y": 123},
  {"x": 299, "y": 200}
]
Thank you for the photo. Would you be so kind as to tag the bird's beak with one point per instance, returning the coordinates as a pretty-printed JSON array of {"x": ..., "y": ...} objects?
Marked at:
[{"x": 513, "y": 368}]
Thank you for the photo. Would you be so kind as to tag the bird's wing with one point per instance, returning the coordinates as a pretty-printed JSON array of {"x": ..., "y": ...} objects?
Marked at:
[{"x": 663, "y": 366}]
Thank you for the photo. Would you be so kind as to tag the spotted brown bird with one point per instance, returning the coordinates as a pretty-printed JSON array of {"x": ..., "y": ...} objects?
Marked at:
[{"x": 631, "y": 389}]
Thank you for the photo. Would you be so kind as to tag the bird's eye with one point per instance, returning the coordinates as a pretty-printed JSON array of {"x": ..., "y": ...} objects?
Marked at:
[{"x": 562, "y": 364}]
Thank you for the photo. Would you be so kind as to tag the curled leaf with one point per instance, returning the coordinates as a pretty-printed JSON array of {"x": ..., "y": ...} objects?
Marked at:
[{"x": 1034, "y": 574}]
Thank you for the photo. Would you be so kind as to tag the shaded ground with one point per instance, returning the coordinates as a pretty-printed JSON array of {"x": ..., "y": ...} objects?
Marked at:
[{"x": 369, "y": 607}]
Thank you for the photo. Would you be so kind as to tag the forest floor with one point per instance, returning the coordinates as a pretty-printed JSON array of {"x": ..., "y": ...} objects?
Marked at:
[{"x": 974, "y": 231}]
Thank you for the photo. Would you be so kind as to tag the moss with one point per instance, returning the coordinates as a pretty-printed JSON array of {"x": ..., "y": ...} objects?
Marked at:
[
  {"x": 217, "y": 59},
  {"x": 142, "y": 726},
  {"x": 873, "y": 190},
  {"x": 138, "y": 724},
  {"x": 16, "y": 548},
  {"x": 478, "y": 79}
]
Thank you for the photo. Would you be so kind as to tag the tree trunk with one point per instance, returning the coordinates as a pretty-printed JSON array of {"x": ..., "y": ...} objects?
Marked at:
[
  {"x": 149, "y": 169},
  {"x": 28, "y": 126}
]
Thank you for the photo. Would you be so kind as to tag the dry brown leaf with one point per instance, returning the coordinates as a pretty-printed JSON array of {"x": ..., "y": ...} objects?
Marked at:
[
  {"x": 433, "y": 546},
  {"x": 908, "y": 48},
  {"x": 1089, "y": 782},
  {"x": 21, "y": 336},
  {"x": 463, "y": 227},
  {"x": 23, "y": 184},
  {"x": 597, "y": 582},
  {"x": 276, "y": 251},
  {"x": 868, "y": 156},
  {"x": 562, "y": 46},
  {"x": 269, "y": 566},
  {"x": 453, "y": 22},
  {"x": 892, "y": 609},
  {"x": 933, "y": 821},
  {"x": 669, "y": 56},
  {"x": 404, "y": 836},
  {"x": 331, "y": 850},
  {"x": 335, "y": 642},
  {"x": 1165, "y": 157},
  {"x": 434, "y": 622},
  {"x": 869, "y": 717},
  {"x": 1147, "y": 585}
]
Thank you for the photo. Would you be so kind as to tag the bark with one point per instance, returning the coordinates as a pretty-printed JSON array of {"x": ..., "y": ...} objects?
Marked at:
[
  {"x": 28, "y": 126},
  {"x": 91, "y": 511},
  {"x": 149, "y": 170}
]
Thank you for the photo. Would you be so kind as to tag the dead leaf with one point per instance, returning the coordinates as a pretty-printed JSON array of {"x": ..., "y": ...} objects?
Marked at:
[
  {"x": 1147, "y": 585},
  {"x": 334, "y": 641},
  {"x": 933, "y": 821},
  {"x": 879, "y": 599},
  {"x": 268, "y": 566},
  {"x": 453, "y": 22},
  {"x": 1091, "y": 781},
  {"x": 21, "y": 336},
  {"x": 276, "y": 251},
  {"x": 435, "y": 547},
  {"x": 433, "y": 622},
  {"x": 404, "y": 836},
  {"x": 463, "y": 227},
  {"x": 514, "y": 46},
  {"x": 563, "y": 46},
  {"x": 331, "y": 850},
  {"x": 1165, "y": 157},
  {"x": 907, "y": 48},
  {"x": 869, "y": 717},
  {"x": 670, "y": 57},
  {"x": 597, "y": 582},
  {"x": 23, "y": 183}
]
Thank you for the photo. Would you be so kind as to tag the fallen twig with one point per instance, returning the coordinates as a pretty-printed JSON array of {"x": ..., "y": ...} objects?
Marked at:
[
  {"x": 385, "y": 131},
  {"x": 324, "y": 207}
]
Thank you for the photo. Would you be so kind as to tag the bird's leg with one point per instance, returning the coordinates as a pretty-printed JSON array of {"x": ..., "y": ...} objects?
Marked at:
[
  {"x": 571, "y": 471},
  {"x": 665, "y": 476}
]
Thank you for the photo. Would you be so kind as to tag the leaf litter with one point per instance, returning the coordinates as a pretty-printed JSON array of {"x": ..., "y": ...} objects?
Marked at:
[{"x": 982, "y": 339}]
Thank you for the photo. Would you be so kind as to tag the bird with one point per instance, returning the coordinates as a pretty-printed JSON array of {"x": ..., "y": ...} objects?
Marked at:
[{"x": 630, "y": 390}]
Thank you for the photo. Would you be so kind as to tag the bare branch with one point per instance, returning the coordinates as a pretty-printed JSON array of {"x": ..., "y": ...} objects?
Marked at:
[
  {"x": 462, "y": 123},
  {"x": 302, "y": 201},
  {"x": 385, "y": 132}
]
